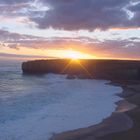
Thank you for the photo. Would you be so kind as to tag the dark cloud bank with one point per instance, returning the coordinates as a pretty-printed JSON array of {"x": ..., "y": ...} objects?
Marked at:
[
  {"x": 81, "y": 14},
  {"x": 90, "y": 14}
]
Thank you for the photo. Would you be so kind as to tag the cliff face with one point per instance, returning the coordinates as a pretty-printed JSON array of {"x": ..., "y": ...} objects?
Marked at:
[{"x": 102, "y": 69}]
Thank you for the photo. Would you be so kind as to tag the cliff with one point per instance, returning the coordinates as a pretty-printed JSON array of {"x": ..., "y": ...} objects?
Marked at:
[{"x": 101, "y": 69}]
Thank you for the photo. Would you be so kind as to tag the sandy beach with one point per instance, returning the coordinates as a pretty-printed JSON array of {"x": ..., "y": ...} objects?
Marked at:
[{"x": 123, "y": 124}]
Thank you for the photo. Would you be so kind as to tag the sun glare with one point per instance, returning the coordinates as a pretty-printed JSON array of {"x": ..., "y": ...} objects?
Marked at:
[{"x": 75, "y": 55}]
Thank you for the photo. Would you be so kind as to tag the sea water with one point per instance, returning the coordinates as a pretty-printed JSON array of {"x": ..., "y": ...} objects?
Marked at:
[{"x": 35, "y": 107}]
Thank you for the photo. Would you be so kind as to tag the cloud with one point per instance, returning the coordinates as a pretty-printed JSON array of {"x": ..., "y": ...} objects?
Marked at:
[
  {"x": 88, "y": 14},
  {"x": 9, "y": 2},
  {"x": 75, "y": 14},
  {"x": 136, "y": 10},
  {"x": 123, "y": 48},
  {"x": 7, "y": 36},
  {"x": 22, "y": 8},
  {"x": 126, "y": 48},
  {"x": 19, "y": 56},
  {"x": 15, "y": 40}
]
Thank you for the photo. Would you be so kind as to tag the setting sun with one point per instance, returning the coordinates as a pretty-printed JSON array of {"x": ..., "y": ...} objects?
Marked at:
[
  {"x": 74, "y": 55},
  {"x": 71, "y": 54}
]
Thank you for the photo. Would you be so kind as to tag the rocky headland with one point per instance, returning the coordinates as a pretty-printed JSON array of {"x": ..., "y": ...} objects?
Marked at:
[{"x": 97, "y": 69}]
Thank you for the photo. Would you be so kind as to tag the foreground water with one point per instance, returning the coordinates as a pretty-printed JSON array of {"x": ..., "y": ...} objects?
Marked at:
[{"x": 36, "y": 107}]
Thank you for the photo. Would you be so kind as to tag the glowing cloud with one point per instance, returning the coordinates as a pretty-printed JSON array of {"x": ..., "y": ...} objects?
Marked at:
[{"x": 70, "y": 54}]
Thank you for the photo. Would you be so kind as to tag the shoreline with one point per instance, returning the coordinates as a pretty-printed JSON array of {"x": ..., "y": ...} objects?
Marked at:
[{"x": 120, "y": 120}]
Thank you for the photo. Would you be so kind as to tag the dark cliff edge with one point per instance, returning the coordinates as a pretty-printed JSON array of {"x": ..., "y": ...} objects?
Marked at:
[{"x": 98, "y": 69}]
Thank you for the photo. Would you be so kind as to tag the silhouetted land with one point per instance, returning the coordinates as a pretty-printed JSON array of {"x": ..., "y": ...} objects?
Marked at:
[
  {"x": 100, "y": 69},
  {"x": 124, "y": 123}
]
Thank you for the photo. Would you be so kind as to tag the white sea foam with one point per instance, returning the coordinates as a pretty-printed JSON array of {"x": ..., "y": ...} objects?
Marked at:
[{"x": 53, "y": 104}]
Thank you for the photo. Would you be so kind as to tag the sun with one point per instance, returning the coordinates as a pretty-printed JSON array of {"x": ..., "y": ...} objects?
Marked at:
[{"x": 74, "y": 55}]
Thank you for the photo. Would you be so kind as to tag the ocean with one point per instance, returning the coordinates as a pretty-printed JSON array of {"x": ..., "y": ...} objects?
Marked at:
[{"x": 35, "y": 107}]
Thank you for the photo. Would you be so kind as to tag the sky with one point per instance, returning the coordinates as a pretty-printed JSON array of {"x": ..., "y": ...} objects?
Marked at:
[{"x": 102, "y": 29}]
